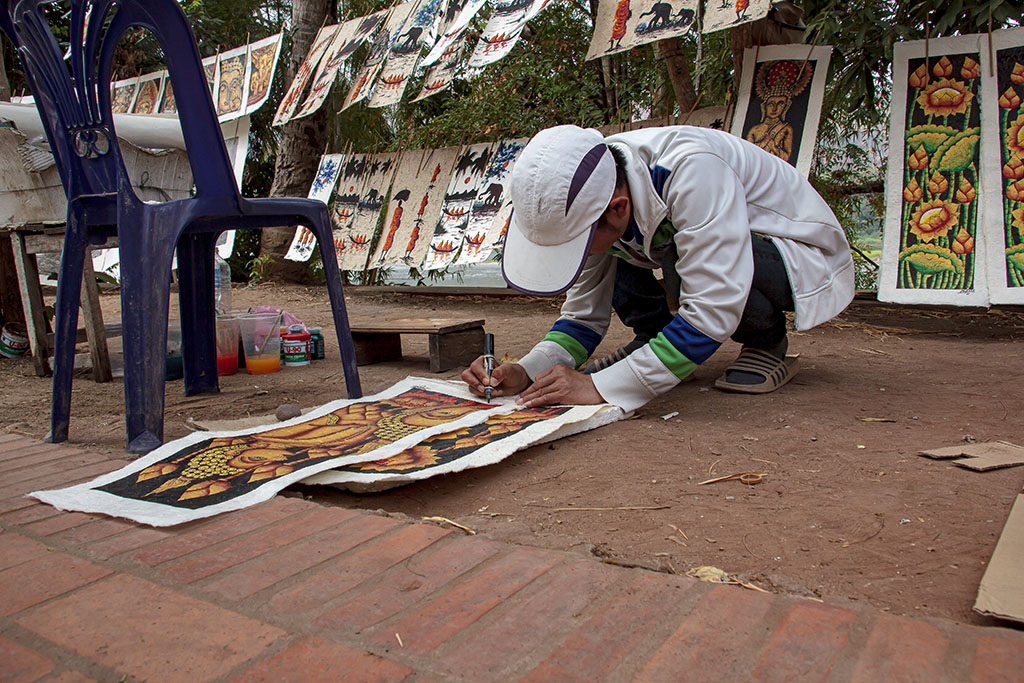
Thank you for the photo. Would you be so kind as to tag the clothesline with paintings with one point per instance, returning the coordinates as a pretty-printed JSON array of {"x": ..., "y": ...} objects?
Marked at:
[{"x": 439, "y": 30}]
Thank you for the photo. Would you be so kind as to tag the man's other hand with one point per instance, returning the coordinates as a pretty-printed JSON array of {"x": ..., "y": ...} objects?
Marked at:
[
  {"x": 560, "y": 385},
  {"x": 508, "y": 379}
]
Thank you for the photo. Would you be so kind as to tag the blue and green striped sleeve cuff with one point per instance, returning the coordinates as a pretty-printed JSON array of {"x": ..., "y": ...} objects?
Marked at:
[{"x": 576, "y": 338}]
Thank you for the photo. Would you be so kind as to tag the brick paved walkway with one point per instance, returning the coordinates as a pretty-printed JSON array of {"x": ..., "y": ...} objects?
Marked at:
[{"x": 289, "y": 590}]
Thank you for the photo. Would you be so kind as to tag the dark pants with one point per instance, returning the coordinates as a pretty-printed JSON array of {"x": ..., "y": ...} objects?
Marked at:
[{"x": 639, "y": 299}]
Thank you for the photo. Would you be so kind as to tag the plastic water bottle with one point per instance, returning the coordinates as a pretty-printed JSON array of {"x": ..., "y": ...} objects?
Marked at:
[{"x": 221, "y": 285}]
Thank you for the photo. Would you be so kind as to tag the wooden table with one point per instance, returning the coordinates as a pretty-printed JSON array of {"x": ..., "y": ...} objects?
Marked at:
[
  {"x": 27, "y": 241},
  {"x": 452, "y": 342}
]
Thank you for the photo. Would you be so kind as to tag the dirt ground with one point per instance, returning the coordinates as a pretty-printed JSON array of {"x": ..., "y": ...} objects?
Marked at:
[{"x": 848, "y": 512}]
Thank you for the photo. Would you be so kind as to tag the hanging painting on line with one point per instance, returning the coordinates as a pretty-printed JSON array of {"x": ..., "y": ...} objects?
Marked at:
[
  {"x": 457, "y": 205},
  {"x": 484, "y": 232},
  {"x": 377, "y": 174},
  {"x": 623, "y": 24},
  {"x": 323, "y": 184},
  {"x": 1003, "y": 161},
  {"x": 723, "y": 14},
  {"x": 779, "y": 105},
  {"x": 932, "y": 238},
  {"x": 262, "y": 60}
]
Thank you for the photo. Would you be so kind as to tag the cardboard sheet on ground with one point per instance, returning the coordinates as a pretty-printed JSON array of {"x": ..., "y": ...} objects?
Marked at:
[
  {"x": 483, "y": 444},
  {"x": 1001, "y": 592},
  {"x": 932, "y": 238},
  {"x": 980, "y": 456},
  {"x": 204, "y": 474}
]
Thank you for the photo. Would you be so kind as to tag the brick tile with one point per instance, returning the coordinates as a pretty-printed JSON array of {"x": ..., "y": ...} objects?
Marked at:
[
  {"x": 53, "y": 574},
  {"x": 70, "y": 677},
  {"x": 297, "y": 558},
  {"x": 201, "y": 565},
  {"x": 317, "y": 659},
  {"x": 19, "y": 663},
  {"x": 15, "y": 503},
  {"x": 338, "y": 577},
  {"x": 998, "y": 659},
  {"x": 711, "y": 636},
  {"x": 531, "y": 624},
  {"x": 148, "y": 631},
  {"x": 600, "y": 645},
  {"x": 34, "y": 470},
  {"x": 902, "y": 650},
  {"x": 200, "y": 535},
  {"x": 416, "y": 580},
  {"x": 132, "y": 539},
  {"x": 11, "y": 448},
  {"x": 63, "y": 522},
  {"x": 463, "y": 604},
  {"x": 59, "y": 480},
  {"x": 10, "y": 437},
  {"x": 33, "y": 512},
  {"x": 806, "y": 645},
  {"x": 94, "y": 531},
  {"x": 16, "y": 549}
]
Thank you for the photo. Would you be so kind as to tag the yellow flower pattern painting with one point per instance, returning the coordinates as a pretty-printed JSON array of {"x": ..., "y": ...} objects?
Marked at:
[
  {"x": 1010, "y": 85},
  {"x": 941, "y": 157}
]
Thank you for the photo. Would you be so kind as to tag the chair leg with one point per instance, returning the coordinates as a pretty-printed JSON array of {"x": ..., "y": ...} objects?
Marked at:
[
  {"x": 145, "y": 290},
  {"x": 329, "y": 259},
  {"x": 198, "y": 319},
  {"x": 65, "y": 322}
]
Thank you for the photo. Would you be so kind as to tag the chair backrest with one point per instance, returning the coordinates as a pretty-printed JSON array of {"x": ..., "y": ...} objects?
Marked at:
[{"x": 75, "y": 103}]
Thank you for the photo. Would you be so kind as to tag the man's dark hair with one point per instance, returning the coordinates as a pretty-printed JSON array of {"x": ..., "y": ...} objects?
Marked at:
[{"x": 620, "y": 166}]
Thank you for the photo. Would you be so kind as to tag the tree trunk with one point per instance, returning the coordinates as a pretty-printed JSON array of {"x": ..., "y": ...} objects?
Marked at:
[
  {"x": 300, "y": 145},
  {"x": 669, "y": 51}
]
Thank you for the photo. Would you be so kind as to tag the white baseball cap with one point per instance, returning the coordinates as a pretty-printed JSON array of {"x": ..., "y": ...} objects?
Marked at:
[{"x": 561, "y": 184}]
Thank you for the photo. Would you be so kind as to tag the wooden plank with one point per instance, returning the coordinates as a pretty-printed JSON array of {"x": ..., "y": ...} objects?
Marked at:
[
  {"x": 414, "y": 325},
  {"x": 455, "y": 349},
  {"x": 53, "y": 244},
  {"x": 93, "y": 319},
  {"x": 32, "y": 305}
]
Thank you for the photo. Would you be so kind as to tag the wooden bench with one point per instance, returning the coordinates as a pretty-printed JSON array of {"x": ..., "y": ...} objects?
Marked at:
[{"x": 452, "y": 343}]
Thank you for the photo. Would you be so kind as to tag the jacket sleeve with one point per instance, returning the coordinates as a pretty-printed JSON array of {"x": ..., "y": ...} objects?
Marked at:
[
  {"x": 707, "y": 206},
  {"x": 583, "y": 321}
]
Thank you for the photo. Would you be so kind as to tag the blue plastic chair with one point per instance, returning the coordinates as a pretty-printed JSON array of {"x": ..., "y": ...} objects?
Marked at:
[{"x": 74, "y": 104}]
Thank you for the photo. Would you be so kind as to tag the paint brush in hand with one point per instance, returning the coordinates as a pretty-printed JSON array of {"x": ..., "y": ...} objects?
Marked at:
[{"x": 488, "y": 362}]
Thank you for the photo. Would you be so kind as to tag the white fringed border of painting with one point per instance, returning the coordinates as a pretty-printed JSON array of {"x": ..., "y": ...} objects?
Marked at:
[
  {"x": 85, "y": 498},
  {"x": 576, "y": 420}
]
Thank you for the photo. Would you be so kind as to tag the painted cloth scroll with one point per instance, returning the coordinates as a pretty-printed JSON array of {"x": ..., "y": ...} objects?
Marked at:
[
  {"x": 724, "y": 14},
  {"x": 167, "y": 104},
  {"x": 262, "y": 63},
  {"x": 1003, "y": 160},
  {"x": 150, "y": 90},
  {"x": 476, "y": 446},
  {"x": 780, "y": 98},
  {"x": 386, "y": 37},
  {"x": 401, "y": 59},
  {"x": 210, "y": 70},
  {"x": 323, "y": 184},
  {"x": 347, "y": 40},
  {"x": 484, "y": 232},
  {"x": 293, "y": 97},
  {"x": 377, "y": 174},
  {"x": 346, "y": 200},
  {"x": 931, "y": 240},
  {"x": 624, "y": 24},
  {"x": 206, "y": 473},
  {"x": 508, "y": 18},
  {"x": 441, "y": 74},
  {"x": 123, "y": 96},
  {"x": 457, "y": 205},
  {"x": 415, "y": 204},
  {"x": 456, "y": 19},
  {"x": 231, "y": 83}
]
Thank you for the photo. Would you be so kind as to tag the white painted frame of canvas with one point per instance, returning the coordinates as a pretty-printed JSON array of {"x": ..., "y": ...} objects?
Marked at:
[
  {"x": 991, "y": 167},
  {"x": 820, "y": 55},
  {"x": 889, "y": 265},
  {"x": 86, "y": 498}
]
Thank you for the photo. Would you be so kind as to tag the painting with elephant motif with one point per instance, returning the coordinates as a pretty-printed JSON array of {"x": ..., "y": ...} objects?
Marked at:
[
  {"x": 413, "y": 206},
  {"x": 485, "y": 232},
  {"x": 723, "y": 14},
  {"x": 1003, "y": 160},
  {"x": 377, "y": 174},
  {"x": 780, "y": 98},
  {"x": 304, "y": 241},
  {"x": 207, "y": 473},
  {"x": 347, "y": 192},
  {"x": 467, "y": 176},
  {"x": 623, "y": 24},
  {"x": 932, "y": 239},
  {"x": 404, "y": 54}
]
